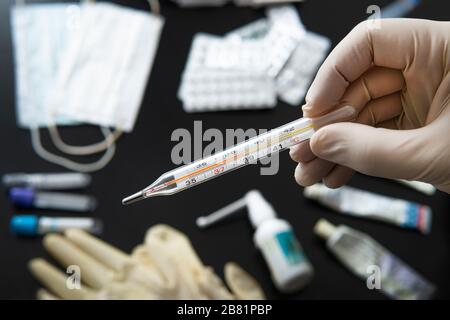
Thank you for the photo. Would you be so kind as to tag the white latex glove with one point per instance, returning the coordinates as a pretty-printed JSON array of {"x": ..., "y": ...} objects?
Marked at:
[
  {"x": 195, "y": 280},
  {"x": 165, "y": 267},
  {"x": 397, "y": 78}
]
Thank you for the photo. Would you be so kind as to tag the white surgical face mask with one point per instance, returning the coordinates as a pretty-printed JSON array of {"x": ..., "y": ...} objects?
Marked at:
[
  {"x": 85, "y": 63},
  {"x": 40, "y": 35},
  {"x": 106, "y": 67}
]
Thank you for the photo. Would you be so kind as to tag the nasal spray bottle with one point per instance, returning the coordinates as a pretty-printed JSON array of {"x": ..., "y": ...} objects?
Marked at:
[{"x": 290, "y": 269}]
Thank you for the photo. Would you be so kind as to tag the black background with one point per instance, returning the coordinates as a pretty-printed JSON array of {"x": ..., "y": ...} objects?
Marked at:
[{"x": 145, "y": 153}]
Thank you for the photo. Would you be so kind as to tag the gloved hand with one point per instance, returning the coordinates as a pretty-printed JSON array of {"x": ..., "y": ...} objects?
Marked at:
[
  {"x": 397, "y": 78},
  {"x": 165, "y": 267}
]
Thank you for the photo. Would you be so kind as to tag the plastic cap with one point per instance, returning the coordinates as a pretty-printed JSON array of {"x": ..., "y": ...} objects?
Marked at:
[
  {"x": 22, "y": 197},
  {"x": 259, "y": 209},
  {"x": 24, "y": 225},
  {"x": 313, "y": 192},
  {"x": 324, "y": 229}
]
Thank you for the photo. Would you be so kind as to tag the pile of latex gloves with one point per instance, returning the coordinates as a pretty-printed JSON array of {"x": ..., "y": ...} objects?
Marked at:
[
  {"x": 164, "y": 267},
  {"x": 250, "y": 67}
]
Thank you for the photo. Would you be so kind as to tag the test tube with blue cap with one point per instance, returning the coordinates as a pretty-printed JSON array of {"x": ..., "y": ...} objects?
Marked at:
[
  {"x": 32, "y": 225},
  {"x": 31, "y": 198}
]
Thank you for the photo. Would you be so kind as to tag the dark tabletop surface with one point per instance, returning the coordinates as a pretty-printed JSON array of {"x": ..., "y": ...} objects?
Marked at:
[{"x": 145, "y": 153}]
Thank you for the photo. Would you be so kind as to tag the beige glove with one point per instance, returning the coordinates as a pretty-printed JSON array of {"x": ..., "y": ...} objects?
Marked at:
[
  {"x": 397, "y": 78},
  {"x": 196, "y": 281},
  {"x": 165, "y": 267}
]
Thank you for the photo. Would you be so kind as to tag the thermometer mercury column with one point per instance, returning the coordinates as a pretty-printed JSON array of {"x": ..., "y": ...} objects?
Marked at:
[{"x": 243, "y": 154}]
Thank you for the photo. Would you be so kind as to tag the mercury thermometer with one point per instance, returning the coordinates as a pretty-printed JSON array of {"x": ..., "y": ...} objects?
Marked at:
[{"x": 238, "y": 156}]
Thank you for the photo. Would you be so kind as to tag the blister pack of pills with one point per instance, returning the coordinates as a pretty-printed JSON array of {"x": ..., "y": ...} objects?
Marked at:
[
  {"x": 213, "y": 90},
  {"x": 278, "y": 44},
  {"x": 252, "y": 65},
  {"x": 297, "y": 72},
  {"x": 293, "y": 81},
  {"x": 281, "y": 33},
  {"x": 208, "y": 85},
  {"x": 281, "y": 46}
]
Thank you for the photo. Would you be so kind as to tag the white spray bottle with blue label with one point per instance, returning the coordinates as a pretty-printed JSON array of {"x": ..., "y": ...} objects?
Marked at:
[{"x": 290, "y": 269}]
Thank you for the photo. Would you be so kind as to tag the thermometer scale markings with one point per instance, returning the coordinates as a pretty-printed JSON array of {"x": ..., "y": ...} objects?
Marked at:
[{"x": 283, "y": 137}]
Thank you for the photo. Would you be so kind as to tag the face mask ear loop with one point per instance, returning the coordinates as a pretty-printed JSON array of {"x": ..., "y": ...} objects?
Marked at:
[
  {"x": 69, "y": 164},
  {"x": 82, "y": 150}
]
